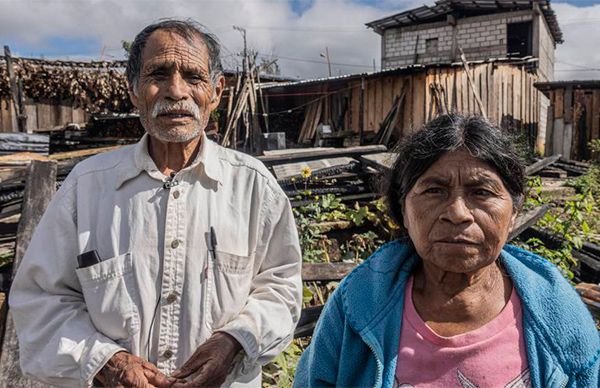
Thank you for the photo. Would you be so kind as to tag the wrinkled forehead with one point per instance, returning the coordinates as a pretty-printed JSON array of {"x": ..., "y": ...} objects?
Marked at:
[
  {"x": 460, "y": 167},
  {"x": 167, "y": 48}
]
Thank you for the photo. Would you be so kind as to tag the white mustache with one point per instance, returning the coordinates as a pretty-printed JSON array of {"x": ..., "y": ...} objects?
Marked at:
[{"x": 166, "y": 106}]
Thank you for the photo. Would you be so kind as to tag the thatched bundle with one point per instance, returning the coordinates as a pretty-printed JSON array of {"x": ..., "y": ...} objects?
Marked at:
[{"x": 93, "y": 86}]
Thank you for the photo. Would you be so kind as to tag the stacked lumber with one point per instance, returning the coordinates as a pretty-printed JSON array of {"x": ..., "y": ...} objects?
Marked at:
[
  {"x": 312, "y": 117},
  {"x": 24, "y": 142}
]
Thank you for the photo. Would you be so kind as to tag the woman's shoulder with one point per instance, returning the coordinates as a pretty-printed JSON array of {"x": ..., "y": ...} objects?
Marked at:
[
  {"x": 552, "y": 306},
  {"x": 368, "y": 289}
]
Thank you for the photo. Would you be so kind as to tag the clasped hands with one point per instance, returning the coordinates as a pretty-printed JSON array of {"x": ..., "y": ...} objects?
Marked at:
[{"x": 210, "y": 363}]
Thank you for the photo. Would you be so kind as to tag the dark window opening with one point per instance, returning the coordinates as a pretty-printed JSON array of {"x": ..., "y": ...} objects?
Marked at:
[
  {"x": 431, "y": 46},
  {"x": 519, "y": 39}
]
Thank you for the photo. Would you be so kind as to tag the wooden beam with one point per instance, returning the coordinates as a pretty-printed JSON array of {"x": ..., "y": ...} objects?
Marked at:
[
  {"x": 325, "y": 271},
  {"x": 321, "y": 154},
  {"x": 541, "y": 164},
  {"x": 526, "y": 220},
  {"x": 473, "y": 88},
  {"x": 39, "y": 189},
  {"x": 13, "y": 89}
]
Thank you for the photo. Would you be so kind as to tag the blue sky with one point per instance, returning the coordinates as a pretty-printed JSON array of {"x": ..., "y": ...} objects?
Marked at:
[{"x": 296, "y": 31}]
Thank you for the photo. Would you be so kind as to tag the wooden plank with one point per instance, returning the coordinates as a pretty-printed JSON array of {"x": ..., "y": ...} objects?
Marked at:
[
  {"x": 559, "y": 103},
  {"x": 567, "y": 141},
  {"x": 541, "y": 164},
  {"x": 578, "y": 123},
  {"x": 379, "y": 112},
  {"x": 31, "y": 112},
  {"x": 568, "y": 112},
  {"x": 79, "y": 116},
  {"x": 558, "y": 136},
  {"x": 417, "y": 111},
  {"x": 321, "y": 154},
  {"x": 549, "y": 146},
  {"x": 526, "y": 220},
  {"x": 355, "y": 107},
  {"x": 40, "y": 187},
  {"x": 325, "y": 271},
  {"x": 595, "y": 116}
]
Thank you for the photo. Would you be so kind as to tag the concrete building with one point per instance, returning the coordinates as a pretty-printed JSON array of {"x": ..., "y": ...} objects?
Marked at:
[{"x": 482, "y": 29}]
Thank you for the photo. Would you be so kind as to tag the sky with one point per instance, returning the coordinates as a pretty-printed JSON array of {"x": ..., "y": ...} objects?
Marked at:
[{"x": 298, "y": 32}]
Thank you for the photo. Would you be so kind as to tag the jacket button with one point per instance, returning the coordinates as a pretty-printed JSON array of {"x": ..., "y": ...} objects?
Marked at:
[
  {"x": 174, "y": 244},
  {"x": 171, "y": 298},
  {"x": 168, "y": 353},
  {"x": 176, "y": 194}
]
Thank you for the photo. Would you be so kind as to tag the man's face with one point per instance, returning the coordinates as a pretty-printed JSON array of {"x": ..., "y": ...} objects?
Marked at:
[{"x": 174, "y": 93}]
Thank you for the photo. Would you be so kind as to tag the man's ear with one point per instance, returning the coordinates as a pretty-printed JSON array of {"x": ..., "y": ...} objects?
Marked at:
[
  {"x": 133, "y": 96},
  {"x": 219, "y": 86}
]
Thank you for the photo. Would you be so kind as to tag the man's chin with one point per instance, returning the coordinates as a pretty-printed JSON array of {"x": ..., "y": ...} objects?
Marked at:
[{"x": 175, "y": 134}]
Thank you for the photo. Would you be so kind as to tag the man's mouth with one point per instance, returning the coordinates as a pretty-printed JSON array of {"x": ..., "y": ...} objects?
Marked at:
[
  {"x": 457, "y": 240},
  {"x": 176, "y": 114}
]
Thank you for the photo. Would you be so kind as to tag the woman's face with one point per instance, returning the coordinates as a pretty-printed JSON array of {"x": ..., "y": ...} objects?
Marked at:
[{"x": 459, "y": 213}]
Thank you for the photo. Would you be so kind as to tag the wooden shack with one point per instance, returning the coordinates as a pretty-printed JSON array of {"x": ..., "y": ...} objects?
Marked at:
[
  {"x": 573, "y": 117},
  {"x": 502, "y": 90}
]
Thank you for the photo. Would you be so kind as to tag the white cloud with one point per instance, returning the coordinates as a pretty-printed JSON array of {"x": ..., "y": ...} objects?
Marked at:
[
  {"x": 581, "y": 30},
  {"x": 272, "y": 28}
]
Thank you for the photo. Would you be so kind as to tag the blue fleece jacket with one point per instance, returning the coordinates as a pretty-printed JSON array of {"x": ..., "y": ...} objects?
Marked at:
[{"x": 355, "y": 343}]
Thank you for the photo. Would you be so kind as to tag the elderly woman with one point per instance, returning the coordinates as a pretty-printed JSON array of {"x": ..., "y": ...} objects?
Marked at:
[{"x": 450, "y": 305}]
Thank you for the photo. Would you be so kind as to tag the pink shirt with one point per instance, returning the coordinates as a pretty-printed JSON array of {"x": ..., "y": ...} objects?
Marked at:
[{"x": 493, "y": 355}]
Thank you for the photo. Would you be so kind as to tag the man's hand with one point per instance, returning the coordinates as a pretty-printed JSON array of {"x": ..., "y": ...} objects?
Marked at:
[
  {"x": 211, "y": 361},
  {"x": 126, "y": 370}
]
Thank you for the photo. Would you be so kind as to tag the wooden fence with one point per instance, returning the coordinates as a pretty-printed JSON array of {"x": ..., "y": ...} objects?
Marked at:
[
  {"x": 573, "y": 117},
  {"x": 41, "y": 116},
  {"x": 361, "y": 103}
]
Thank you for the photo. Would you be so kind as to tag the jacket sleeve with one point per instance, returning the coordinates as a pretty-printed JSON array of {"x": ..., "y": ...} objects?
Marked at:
[
  {"x": 265, "y": 326},
  {"x": 58, "y": 344},
  {"x": 319, "y": 364}
]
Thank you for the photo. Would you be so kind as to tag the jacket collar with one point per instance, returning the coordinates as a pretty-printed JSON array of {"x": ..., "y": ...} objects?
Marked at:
[
  {"x": 207, "y": 162},
  {"x": 372, "y": 297}
]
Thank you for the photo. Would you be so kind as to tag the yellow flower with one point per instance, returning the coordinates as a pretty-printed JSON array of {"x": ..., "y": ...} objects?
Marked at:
[{"x": 306, "y": 172}]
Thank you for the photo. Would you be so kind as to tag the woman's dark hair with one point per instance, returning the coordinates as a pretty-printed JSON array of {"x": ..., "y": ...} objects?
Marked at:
[{"x": 447, "y": 133}]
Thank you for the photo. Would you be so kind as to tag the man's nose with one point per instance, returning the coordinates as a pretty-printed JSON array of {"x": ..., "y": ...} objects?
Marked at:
[
  {"x": 457, "y": 211},
  {"x": 176, "y": 87}
]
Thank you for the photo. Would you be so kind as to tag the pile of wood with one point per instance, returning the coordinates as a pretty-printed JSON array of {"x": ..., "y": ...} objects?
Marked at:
[
  {"x": 312, "y": 118},
  {"x": 94, "y": 86},
  {"x": 245, "y": 108}
]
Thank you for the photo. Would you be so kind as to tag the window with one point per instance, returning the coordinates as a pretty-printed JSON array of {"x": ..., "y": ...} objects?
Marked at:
[
  {"x": 518, "y": 39},
  {"x": 431, "y": 46}
]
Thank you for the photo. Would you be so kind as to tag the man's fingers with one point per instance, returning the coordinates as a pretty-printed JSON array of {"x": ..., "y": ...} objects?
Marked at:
[
  {"x": 191, "y": 366},
  {"x": 159, "y": 380}
]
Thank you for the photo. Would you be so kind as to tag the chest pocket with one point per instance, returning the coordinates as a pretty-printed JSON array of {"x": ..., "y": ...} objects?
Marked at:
[
  {"x": 110, "y": 294},
  {"x": 231, "y": 280}
]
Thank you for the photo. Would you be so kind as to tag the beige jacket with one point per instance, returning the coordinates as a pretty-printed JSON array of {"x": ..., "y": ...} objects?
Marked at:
[{"x": 158, "y": 292}]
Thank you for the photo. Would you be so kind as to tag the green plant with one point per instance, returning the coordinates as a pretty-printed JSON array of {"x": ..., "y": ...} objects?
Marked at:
[
  {"x": 280, "y": 372},
  {"x": 360, "y": 246}
]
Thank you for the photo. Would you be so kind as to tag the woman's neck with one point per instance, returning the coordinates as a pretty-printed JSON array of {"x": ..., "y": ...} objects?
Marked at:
[{"x": 455, "y": 303}]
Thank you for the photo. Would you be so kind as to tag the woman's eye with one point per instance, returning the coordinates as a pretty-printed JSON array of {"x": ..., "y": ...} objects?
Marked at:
[{"x": 433, "y": 190}]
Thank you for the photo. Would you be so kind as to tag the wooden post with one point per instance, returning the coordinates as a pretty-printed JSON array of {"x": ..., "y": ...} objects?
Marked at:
[
  {"x": 361, "y": 110},
  {"x": 475, "y": 92},
  {"x": 39, "y": 189},
  {"x": 17, "y": 98}
]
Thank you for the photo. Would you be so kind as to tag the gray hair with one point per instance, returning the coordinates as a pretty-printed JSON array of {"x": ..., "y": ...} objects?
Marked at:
[
  {"x": 187, "y": 29},
  {"x": 447, "y": 133}
]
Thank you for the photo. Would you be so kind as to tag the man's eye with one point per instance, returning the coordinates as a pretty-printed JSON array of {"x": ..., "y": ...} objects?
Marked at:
[
  {"x": 483, "y": 193},
  {"x": 196, "y": 78}
]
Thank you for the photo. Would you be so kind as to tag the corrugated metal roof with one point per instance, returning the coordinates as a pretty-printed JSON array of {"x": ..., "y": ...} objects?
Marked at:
[
  {"x": 395, "y": 70},
  {"x": 426, "y": 14}
]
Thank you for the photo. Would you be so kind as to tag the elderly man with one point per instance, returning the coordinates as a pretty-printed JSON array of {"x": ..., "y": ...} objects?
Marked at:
[{"x": 172, "y": 262}]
